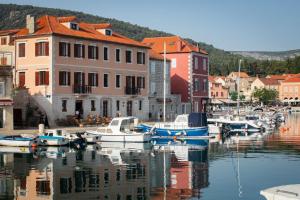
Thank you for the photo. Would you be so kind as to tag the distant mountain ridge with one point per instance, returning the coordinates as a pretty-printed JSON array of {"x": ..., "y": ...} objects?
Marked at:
[
  {"x": 269, "y": 55},
  {"x": 221, "y": 62}
]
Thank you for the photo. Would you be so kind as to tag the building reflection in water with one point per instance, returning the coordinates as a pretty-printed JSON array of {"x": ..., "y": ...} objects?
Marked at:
[
  {"x": 139, "y": 172},
  {"x": 179, "y": 171}
]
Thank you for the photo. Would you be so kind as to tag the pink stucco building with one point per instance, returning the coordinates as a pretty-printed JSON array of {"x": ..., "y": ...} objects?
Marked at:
[
  {"x": 71, "y": 66},
  {"x": 189, "y": 70}
]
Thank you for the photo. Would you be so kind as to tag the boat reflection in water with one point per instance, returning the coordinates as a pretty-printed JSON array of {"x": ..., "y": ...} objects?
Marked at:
[
  {"x": 106, "y": 171},
  {"x": 183, "y": 166}
]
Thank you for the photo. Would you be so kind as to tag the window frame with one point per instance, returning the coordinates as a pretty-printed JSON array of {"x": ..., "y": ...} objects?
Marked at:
[
  {"x": 22, "y": 43},
  {"x": 107, "y": 82},
  {"x": 64, "y": 105},
  {"x": 128, "y": 50},
  {"x": 107, "y": 53},
  {"x": 2, "y": 93},
  {"x": 116, "y": 85},
  {"x": 119, "y": 55}
]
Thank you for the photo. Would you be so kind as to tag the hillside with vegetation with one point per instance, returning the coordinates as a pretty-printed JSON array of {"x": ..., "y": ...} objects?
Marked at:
[{"x": 221, "y": 62}]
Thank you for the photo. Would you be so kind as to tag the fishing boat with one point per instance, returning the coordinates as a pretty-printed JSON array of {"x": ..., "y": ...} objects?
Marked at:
[
  {"x": 19, "y": 141},
  {"x": 285, "y": 192},
  {"x": 121, "y": 129},
  {"x": 187, "y": 126},
  {"x": 54, "y": 138}
]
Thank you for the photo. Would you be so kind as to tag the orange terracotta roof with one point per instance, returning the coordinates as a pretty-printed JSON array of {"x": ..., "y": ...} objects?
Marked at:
[
  {"x": 221, "y": 77},
  {"x": 174, "y": 44},
  {"x": 242, "y": 74},
  {"x": 66, "y": 19},
  {"x": 9, "y": 32},
  {"x": 293, "y": 79},
  {"x": 156, "y": 56},
  {"x": 211, "y": 79},
  {"x": 101, "y": 26},
  {"x": 269, "y": 81},
  {"x": 50, "y": 25}
]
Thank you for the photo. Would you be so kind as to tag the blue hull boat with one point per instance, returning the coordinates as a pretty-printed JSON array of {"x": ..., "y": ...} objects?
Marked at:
[{"x": 188, "y": 126}]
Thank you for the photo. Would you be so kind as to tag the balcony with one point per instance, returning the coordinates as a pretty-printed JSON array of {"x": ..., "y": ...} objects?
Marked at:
[
  {"x": 132, "y": 90},
  {"x": 82, "y": 89}
]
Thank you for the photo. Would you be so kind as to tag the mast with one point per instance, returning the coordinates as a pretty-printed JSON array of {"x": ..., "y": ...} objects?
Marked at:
[
  {"x": 164, "y": 71},
  {"x": 238, "y": 88}
]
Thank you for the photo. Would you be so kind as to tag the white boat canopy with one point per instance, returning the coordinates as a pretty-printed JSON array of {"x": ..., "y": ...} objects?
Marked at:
[{"x": 285, "y": 192}]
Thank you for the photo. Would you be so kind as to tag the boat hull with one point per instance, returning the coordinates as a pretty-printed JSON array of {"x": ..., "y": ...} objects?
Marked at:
[
  {"x": 188, "y": 132},
  {"x": 54, "y": 141},
  {"x": 16, "y": 143},
  {"x": 134, "y": 137}
]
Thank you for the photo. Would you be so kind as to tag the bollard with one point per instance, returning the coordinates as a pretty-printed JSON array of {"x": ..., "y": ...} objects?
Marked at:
[{"x": 41, "y": 128}]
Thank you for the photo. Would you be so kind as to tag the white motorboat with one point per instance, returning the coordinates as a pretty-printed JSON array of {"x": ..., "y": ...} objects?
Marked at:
[
  {"x": 121, "y": 129},
  {"x": 19, "y": 141},
  {"x": 285, "y": 192},
  {"x": 90, "y": 137}
]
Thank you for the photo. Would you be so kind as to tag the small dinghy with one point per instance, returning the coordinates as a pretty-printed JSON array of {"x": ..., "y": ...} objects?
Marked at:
[
  {"x": 285, "y": 192},
  {"x": 54, "y": 137},
  {"x": 19, "y": 141}
]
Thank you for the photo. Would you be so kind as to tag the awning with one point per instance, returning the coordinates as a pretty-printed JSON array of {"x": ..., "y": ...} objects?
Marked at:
[
  {"x": 216, "y": 101},
  {"x": 161, "y": 100},
  {"x": 228, "y": 101},
  {"x": 6, "y": 102}
]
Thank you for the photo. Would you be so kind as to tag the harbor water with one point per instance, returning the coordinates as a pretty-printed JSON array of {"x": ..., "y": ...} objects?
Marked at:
[{"x": 225, "y": 169}]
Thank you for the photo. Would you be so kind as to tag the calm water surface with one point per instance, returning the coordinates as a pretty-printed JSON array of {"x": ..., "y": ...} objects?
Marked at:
[{"x": 202, "y": 170}]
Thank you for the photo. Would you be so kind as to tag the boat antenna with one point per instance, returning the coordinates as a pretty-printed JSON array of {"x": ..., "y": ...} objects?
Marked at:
[
  {"x": 165, "y": 63},
  {"x": 238, "y": 88}
]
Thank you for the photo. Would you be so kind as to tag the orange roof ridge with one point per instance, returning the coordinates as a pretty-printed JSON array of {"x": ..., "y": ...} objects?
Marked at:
[
  {"x": 101, "y": 25},
  {"x": 67, "y": 19}
]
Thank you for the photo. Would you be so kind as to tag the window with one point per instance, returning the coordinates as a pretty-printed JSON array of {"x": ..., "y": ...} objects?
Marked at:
[
  {"x": 140, "y": 104},
  {"x": 64, "y": 78},
  {"x": 93, "y": 79},
  {"x": 64, "y": 105},
  {"x": 92, "y": 52},
  {"x": 42, "y": 78},
  {"x": 118, "y": 105},
  {"x": 79, "y": 51},
  {"x": 43, "y": 187},
  {"x": 196, "y": 85},
  {"x": 205, "y": 85},
  {"x": 128, "y": 56},
  {"x": 183, "y": 109},
  {"x": 118, "y": 55},
  {"x": 108, "y": 32},
  {"x": 173, "y": 62},
  {"x": 2, "y": 89},
  {"x": 152, "y": 88},
  {"x": 152, "y": 67},
  {"x": 118, "y": 81},
  {"x": 64, "y": 49},
  {"x": 217, "y": 94},
  {"x": 79, "y": 78},
  {"x": 204, "y": 64},
  {"x": 42, "y": 49},
  {"x": 93, "y": 108},
  {"x": 196, "y": 63},
  {"x": 3, "y": 41},
  {"x": 74, "y": 26},
  {"x": 222, "y": 94},
  {"x": 1, "y": 118},
  {"x": 105, "y": 53},
  {"x": 105, "y": 80},
  {"x": 21, "y": 51},
  {"x": 212, "y": 94},
  {"x": 141, "y": 82},
  {"x": 3, "y": 60},
  {"x": 140, "y": 58},
  {"x": 21, "y": 79}
]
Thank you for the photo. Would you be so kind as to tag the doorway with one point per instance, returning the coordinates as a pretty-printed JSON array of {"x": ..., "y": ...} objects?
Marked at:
[
  {"x": 129, "y": 108},
  {"x": 105, "y": 108},
  {"x": 18, "y": 122},
  {"x": 79, "y": 107}
]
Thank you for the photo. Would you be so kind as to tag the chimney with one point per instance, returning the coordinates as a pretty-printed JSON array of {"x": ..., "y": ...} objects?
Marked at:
[
  {"x": 179, "y": 45},
  {"x": 30, "y": 24}
]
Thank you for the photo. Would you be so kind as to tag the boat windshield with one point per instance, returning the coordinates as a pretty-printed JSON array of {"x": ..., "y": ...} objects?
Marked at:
[
  {"x": 127, "y": 125},
  {"x": 181, "y": 119}
]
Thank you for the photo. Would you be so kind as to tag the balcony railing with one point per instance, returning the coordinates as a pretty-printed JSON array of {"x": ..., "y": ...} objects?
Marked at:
[
  {"x": 82, "y": 89},
  {"x": 132, "y": 90}
]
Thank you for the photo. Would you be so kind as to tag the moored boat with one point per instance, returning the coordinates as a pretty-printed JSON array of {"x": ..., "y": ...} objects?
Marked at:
[
  {"x": 285, "y": 192},
  {"x": 54, "y": 138},
  {"x": 121, "y": 129},
  {"x": 19, "y": 141},
  {"x": 188, "y": 126}
]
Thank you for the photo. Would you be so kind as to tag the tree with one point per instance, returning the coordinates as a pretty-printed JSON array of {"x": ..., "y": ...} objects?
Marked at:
[
  {"x": 265, "y": 95},
  {"x": 234, "y": 95}
]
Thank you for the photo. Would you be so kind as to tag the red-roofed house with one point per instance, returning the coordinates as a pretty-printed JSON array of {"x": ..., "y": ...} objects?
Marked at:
[
  {"x": 268, "y": 83},
  {"x": 290, "y": 89},
  {"x": 189, "y": 70},
  {"x": 281, "y": 77},
  {"x": 70, "y": 66},
  {"x": 216, "y": 89}
]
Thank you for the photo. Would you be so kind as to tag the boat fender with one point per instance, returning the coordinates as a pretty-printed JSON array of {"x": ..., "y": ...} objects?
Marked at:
[
  {"x": 33, "y": 145},
  {"x": 169, "y": 132},
  {"x": 184, "y": 132},
  {"x": 174, "y": 138}
]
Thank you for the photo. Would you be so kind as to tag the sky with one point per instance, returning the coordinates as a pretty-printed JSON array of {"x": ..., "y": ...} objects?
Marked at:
[{"x": 236, "y": 25}]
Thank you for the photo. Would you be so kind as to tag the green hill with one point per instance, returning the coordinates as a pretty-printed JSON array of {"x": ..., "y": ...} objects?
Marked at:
[{"x": 221, "y": 62}]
